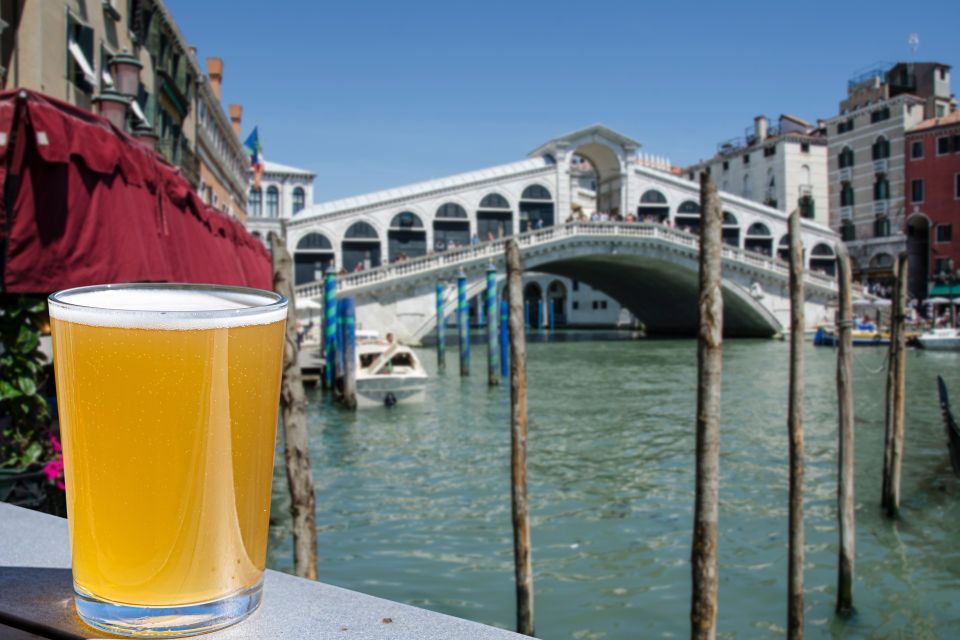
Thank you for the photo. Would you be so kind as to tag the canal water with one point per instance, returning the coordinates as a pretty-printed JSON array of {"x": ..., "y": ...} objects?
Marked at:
[{"x": 413, "y": 503}]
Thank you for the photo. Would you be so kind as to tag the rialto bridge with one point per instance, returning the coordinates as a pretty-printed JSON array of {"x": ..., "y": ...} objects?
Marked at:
[{"x": 392, "y": 247}]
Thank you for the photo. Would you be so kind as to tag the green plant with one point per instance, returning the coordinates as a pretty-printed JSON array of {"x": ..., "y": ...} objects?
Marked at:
[{"x": 24, "y": 414}]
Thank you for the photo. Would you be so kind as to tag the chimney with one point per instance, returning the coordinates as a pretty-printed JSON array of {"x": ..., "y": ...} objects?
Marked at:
[
  {"x": 236, "y": 114},
  {"x": 759, "y": 123},
  {"x": 215, "y": 71}
]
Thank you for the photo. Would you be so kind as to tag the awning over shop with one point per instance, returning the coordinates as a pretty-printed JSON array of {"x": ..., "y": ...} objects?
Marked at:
[
  {"x": 88, "y": 204},
  {"x": 945, "y": 290}
]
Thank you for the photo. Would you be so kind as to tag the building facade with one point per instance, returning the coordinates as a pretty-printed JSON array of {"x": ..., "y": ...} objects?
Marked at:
[
  {"x": 223, "y": 160},
  {"x": 70, "y": 49},
  {"x": 933, "y": 204},
  {"x": 868, "y": 203},
  {"x": 783, "y": 166},
  {"x": 284, "y": 191}
]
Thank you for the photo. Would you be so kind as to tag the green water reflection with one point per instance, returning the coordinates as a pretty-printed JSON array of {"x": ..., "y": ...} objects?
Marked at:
[{"x": 413, "y": 503}]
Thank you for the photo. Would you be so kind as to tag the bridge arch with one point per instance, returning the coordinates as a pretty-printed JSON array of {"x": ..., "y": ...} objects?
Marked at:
[{"x": 656, "y": 285}]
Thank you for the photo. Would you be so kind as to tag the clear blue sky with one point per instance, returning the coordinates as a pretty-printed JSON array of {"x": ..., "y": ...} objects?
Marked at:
[{"x": 371, "y": 95}]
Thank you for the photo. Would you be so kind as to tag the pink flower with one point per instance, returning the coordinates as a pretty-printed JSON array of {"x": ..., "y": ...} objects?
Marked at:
[{"x": 54, "y": 467}]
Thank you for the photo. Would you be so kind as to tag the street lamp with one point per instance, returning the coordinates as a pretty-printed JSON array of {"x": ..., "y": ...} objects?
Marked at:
[
  {"x": 125, "y": 69},
  {"x": 113, "y": 106}
]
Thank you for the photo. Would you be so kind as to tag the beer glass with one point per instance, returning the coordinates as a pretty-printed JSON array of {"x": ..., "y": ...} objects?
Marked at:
[{"x": 168, "y": 398}]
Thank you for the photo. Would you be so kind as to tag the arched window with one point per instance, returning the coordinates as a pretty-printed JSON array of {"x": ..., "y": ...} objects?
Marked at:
[
  {"x": 846, "y": 194},
  {"x": 299, "y": 200},
  {"x": 406, "y": 237},
  {"x": 536, "y": 208},
  {"x": 451, "y": 228},
  {"x": 494, "y": 201},
  {"x": 359, "y": 230},
  {"x": 747, "y": 190},
  {"x": 536, "y": 192},
  {"x": 273, "y": 202},
  {"x": 881, "y": 187},
  {"x": 494, "y": 218},
  {"x": 360, "y": 247},
  {"x": 881, "y": 148},
  {"x": 451, "y": 210},
  {"x": 731, "y": 229},
  {"x": 759, "y": 239},
  {"x": 688, "y": 216},
  {"x": 314, "y": 242},
  {"x": 845, "y": 158},
  {"x": 652, "y": 196},
  {"x": 805, "y": 174},
  {"x": 653, "y": 207},
  {"x": 406, "y": 220},
  {"x": 783, "y": 247},
  {"x": 255, "y": 202},
  {"x": 314, "y": 253}
]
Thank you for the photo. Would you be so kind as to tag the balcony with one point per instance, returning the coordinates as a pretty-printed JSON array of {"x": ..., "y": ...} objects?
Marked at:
[
  {"x": 881, "y": 166},
  {"x": 881, "y": 207},
  {"x": 845, "y": 174},
  {"x": 846, "y": 213},
  {"x": 36, "y": 595},
  {"x": 178, "y": 152}
]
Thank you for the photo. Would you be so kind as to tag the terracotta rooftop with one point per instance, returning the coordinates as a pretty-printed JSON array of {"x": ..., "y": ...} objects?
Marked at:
[{"x": 951, "y": 118}]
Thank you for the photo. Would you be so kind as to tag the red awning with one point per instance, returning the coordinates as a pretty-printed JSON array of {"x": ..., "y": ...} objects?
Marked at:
[{"x": 88, "y": 204}]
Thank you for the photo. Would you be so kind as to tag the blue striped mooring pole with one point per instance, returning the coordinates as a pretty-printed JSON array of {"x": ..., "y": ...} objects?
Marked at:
[
  {"x": 330, "y": 316},
  {"x": 492, "y": 378},
  {"x": 441, "y": 330},
  {"x": 504, "y": 336},
  {"x": 463, "y": 323},
  {"x": 348, "y": 350}
]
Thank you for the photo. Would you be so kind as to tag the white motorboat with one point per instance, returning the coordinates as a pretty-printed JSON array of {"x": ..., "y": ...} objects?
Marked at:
[
  {"x": 940, "y": 339},
  {"x": 388, "y": 373}
]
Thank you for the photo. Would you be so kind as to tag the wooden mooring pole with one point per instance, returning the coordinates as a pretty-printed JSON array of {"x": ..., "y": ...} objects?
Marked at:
[
  {"x": 795, "y": 431},
  {"x": 463, "y": 323},
  {"x": 896, "y": 387},
  {"x": 845, "y": 439},
  {"x": 523, "y": 569},
  {"x": 703, "y": 557},
  {"x": 493, "y": 379},
  {"x": 293, "y": 404},
  {"x": 504, "y": 338},
  {"x": 441, "y": 330}
]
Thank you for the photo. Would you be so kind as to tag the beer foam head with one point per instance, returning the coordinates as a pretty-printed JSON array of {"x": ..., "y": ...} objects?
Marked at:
[{"x": 170, "y": 308}]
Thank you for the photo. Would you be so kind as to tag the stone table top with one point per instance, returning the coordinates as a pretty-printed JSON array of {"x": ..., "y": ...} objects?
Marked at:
[{"x": 36, "y": 598}]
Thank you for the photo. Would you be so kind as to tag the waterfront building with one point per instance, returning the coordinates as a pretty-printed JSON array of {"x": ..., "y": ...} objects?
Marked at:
[
  {"x": 284, "y": 191},
  {"x": 128, "y": 61},
  {"x": 563, "y": 180},
  {"x": 867, "y": 158},
  {"x": 933, "y": 204},
  {"x": 782, "y": 165}
]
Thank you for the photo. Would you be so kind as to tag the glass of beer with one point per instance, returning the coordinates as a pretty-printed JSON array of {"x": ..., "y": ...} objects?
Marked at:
[{"x": 168, "y": 397}]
